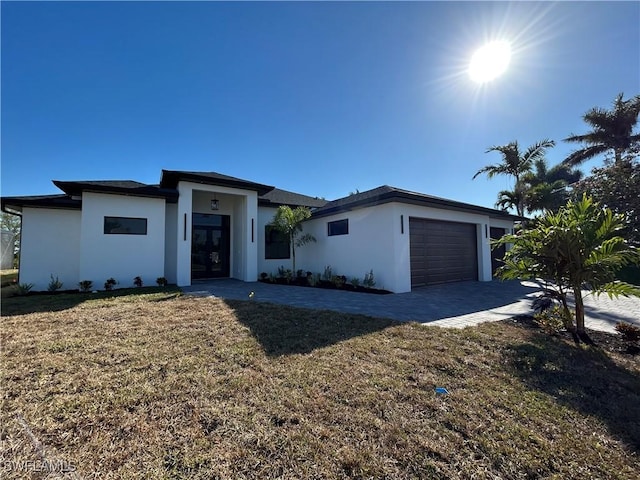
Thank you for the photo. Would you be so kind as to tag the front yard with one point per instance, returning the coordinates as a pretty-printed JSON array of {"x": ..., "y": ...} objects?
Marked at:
[{"x": 157, "y": 385}]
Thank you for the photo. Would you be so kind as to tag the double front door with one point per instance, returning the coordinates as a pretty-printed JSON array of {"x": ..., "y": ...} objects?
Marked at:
[{"x": 210, "y": 247}]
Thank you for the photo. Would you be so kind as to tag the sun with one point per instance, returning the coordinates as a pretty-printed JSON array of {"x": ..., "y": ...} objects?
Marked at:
[{"x": 490, "y": 61}]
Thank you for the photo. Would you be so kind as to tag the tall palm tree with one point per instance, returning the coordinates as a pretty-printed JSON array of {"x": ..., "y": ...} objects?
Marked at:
[
  {"x": 547, "y": 187},
  {"x": 612, "y": 131},
  {"x": 517, "y": 165}
]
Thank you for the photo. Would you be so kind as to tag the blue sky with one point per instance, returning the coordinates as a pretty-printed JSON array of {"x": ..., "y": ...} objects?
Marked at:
[{"x": 318, "y": 98}]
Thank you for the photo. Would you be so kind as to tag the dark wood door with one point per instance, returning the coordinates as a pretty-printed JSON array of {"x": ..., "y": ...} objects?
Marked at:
[{"x": 442, "y": 251}]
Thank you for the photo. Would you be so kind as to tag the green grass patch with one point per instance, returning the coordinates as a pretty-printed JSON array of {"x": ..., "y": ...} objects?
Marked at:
[{"x": 156, "y": 385}]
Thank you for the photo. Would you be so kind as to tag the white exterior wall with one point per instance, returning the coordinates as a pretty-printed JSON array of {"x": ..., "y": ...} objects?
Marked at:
[
  {"x": 241, "y": 205},
  {"x": 170, "y": 242},
  {"x": 50, "y": 246},
  {"x": 122, "y": 257},
  {"x": 376, "y": 241},
  {"x": 370, "y": 245}
]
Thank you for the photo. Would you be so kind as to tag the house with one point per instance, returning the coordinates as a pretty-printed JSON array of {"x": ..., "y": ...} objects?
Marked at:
[{"x": 201, "y": 225}]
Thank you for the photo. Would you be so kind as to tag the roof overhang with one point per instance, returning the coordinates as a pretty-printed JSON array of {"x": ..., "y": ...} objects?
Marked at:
[
  {"x": 412, "y": 198},
  {"x": 171, "y": 178},
  {"x": 151, "y": 191},
  {"x": 14, "y": 205}
]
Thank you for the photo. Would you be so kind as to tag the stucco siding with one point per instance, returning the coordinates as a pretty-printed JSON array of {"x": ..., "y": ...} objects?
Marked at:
[
  {"x": 50, "y": 246},
  {"x": 121, "y": 256},
  {"x": 265, "y": 216},
  {"x": 369, "y": 245}
]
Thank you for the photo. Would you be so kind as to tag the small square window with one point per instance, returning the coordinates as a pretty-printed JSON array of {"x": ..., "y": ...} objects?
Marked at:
[
  {"x": 339, "y": 227},
  {"x": 125, "y": 226}
]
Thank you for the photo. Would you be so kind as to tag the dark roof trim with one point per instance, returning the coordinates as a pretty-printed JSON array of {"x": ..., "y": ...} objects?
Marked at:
[
  {"x": 391, "y": 194},
  {"x": 278, "y": 197},
  {"x": 170, "y": 179},
  {"x": 41, "y": 201},
  {"x": 120, "y": 187}
]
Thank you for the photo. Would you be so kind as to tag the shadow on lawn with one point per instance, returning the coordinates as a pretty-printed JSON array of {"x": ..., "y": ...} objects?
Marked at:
[
  {"x": 583, "y": 379},
  {"x": 283, "y": 330},
  {"x": 55, "y": 302}
]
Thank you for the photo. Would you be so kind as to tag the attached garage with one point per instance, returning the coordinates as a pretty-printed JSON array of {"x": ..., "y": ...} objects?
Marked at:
[{"x": 442, "y": 251}]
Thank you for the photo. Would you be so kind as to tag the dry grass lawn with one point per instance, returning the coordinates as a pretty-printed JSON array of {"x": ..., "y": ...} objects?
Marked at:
[{"x": 157, "y": 385}]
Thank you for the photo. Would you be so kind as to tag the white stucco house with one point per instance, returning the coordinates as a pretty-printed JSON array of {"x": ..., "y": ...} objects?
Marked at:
[{"x": 203, "y": 225}]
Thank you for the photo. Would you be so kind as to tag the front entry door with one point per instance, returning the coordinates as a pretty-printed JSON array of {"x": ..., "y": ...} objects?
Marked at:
[{"x": 210, "y": 247}]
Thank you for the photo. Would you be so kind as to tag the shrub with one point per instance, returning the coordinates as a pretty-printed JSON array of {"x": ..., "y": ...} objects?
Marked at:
[
  {"x": 264, "y": 276},
  {"x": 355, "y": 281},
  {"x": 338, "y": 280},
  {"x": 54, "y": 284},
  {"x": 137, "y": 281},
  {"x": 85, "y": 285},
  {"x": 328, "y": 274},
  {"x": 313, "y": 279},
  {"x": 23, "y": 288},
  {"x": 161, "y": 281},
  {"x": 551, "y": 319},
  {"x": 369, "y": 280},
  {"x": 630, "y": 333},
  {"x": 110, "y": 283},
  {"x": 285, "y": 273}
]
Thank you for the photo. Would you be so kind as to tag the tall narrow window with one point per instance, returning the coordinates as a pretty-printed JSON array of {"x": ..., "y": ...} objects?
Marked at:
[
  {"x": 339, "y": 227},
  {"x": 125, "y": 226},
  {"x": 276, "y": 244}
]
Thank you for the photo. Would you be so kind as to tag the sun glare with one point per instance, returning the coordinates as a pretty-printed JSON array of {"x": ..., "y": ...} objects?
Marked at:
[{"x": 490, "y": 61}]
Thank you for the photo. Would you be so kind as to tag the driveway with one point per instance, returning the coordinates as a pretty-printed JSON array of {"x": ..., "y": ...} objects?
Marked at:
[{"x": 454, "y": 305}]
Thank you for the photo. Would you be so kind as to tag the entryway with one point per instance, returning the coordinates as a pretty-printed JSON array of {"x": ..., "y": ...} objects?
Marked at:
[{"x": 210, "y": 246}]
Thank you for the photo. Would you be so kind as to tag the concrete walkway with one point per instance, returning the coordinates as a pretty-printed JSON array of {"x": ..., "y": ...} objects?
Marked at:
[{"x": 454, "y": 305}]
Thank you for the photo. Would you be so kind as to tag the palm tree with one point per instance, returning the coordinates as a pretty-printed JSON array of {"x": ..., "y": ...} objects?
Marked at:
[
  {"x": 576, "y": 248},
  {"x": 516, "y": 165},
  {"x": 612, "y": 131},
  {"x": 289, "y": 222},
  {"x": 547, "y": 187}
]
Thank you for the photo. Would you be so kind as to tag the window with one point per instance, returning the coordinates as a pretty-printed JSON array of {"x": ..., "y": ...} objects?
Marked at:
[
  {"x": 339, "y": 227},
  {"x": 276, "y": 244},
  {"x": 125, "y": 226}
]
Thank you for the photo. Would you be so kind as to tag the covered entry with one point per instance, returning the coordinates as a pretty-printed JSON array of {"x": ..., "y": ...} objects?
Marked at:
[
  {"x": 442, "y": 251},
  {"x": 210, "y": 246}
]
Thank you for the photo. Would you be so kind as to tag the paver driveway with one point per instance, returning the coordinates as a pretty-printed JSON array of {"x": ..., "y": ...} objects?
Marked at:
[{"x": 450, "y": 305}]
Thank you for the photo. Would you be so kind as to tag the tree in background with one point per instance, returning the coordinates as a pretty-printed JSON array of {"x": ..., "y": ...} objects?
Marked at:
[
  {"x": 12, "y": 223},
  {"x": 289, "y": 222},
  {"x": 578, "y": 247},
  {"x": 611, "y": 131},
  {"x": 548, "y": 188},
  {"x": 517, "y": 165},
  {"x": 617, "y": 186}
]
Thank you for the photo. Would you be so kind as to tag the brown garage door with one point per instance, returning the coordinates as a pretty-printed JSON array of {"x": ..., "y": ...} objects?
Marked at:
[{"x": 442, "y": 251}]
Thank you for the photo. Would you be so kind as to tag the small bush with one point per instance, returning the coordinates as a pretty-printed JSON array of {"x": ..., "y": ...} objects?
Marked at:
[
  {"x": 161, "y": 281},
  {"x": 300, "y": 273},
  {"x": 23, "y": 288},
  {"x": 285, "y": 273},
  {"x": 110, "y": 283},
  {"x": 312, "y": 279},
  {"x": 369, "y": 280},
  {"x": 54, "y": 284},
  {"x": 85, "y": 285},
  {"x": 551, "y": 319},
  {"x": 630, "y": 333},
  {"x": 355, "y": 281},
  {"x": 328, "y": 274},
  {"x": 137, "y": 281},
  {"x": 338, "y": 280},
  {"x": 264, "y": 276}
]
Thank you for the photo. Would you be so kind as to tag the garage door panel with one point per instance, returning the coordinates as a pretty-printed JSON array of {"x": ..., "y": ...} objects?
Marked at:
[{"x": 442, "y": 251}]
